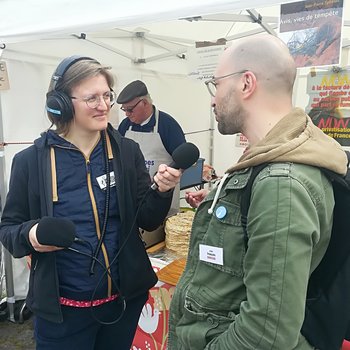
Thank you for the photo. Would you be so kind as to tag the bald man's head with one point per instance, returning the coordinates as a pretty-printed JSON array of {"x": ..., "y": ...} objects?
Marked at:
[{"x": 267, "y": 57}]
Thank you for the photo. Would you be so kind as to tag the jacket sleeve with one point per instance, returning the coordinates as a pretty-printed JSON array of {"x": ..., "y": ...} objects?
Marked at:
[
  {"x": 284, "y": 226},
  {"x": 15, "y": 221},
  {"x": 150, "y": 207},
  {"x": 153, "y": 205}
]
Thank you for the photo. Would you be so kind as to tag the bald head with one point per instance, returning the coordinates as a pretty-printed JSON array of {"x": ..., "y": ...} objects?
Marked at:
[
  {"x": 254, "y": 84},
  {"x": 268, "y": 57}
]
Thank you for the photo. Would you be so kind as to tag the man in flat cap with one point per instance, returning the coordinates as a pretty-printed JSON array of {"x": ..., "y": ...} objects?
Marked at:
[{"x": 157, "y": 133}]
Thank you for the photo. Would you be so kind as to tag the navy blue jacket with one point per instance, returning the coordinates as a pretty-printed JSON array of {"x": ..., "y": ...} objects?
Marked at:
[{"x": 30, "y": 198}]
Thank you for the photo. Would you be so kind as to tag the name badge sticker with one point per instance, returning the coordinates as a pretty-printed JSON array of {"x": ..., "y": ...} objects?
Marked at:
[
  {"x": 214, "y": 255},
  {"x": 102, "y": 180}
]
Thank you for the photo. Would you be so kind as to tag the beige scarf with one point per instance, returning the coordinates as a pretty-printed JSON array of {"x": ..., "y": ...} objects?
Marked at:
[{"x": 296, "y": 139}]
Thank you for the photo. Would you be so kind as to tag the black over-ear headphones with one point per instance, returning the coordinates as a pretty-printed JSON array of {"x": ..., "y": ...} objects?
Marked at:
[{"x": 59, "y": 104}]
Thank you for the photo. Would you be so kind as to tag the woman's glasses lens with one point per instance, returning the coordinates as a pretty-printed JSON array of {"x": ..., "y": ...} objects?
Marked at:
[{"x": 94, "y": 101}]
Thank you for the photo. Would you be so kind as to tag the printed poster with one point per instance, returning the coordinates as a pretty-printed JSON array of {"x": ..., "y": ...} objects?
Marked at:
[
  {"x": 312, "y": 31},
  {"x": 202, "y": 61},
  {"x": 241, "y": 141},
  {"x": 329, "y": 103},
  {"x": 4, "y": 79}
]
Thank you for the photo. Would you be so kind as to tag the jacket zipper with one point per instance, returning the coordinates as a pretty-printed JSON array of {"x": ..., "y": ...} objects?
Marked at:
[{"x": 95, "y": 214}]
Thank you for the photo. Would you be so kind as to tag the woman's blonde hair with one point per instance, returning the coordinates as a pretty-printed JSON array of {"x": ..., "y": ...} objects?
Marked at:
[{"x": 75, "y": 74}]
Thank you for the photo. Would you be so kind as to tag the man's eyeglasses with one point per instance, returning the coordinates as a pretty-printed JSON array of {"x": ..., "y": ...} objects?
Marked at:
[
  {"x": 94, "y": 101},
  {"x": 211, "y": 83},
  {"x": 130, "y": 109}
]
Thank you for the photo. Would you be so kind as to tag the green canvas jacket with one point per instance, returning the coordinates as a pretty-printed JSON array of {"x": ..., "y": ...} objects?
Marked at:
[{"x": 233, "y": 297}]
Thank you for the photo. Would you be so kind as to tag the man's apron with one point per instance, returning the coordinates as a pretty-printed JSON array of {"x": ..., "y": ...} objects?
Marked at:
[{"x": 155, "y": 154}]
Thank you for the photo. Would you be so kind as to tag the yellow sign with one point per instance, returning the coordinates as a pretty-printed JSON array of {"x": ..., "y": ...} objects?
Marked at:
[{"x": 4, "y": 79}]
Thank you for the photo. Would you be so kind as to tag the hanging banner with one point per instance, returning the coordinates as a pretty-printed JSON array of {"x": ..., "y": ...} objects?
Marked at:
[
  {"x": 4, "y": 80},
  {"x": 312, "y": 30},
  {"x": 329, "y": 103}
]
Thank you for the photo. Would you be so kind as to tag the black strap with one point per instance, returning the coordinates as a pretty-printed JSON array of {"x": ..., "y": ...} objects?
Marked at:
[{"x": 245, "y": 200}]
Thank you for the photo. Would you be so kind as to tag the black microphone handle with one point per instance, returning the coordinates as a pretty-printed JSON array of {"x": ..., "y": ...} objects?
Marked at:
[
  {"x": 183, "y": 157},
  {"x": 154, "y": 185}
]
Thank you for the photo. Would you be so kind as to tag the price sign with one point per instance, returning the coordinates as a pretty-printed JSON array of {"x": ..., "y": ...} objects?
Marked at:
[{"x": 4, "y": 80}]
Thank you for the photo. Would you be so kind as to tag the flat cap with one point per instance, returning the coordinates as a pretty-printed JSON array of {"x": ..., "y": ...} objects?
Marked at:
[{"x": 135, "y": 89}]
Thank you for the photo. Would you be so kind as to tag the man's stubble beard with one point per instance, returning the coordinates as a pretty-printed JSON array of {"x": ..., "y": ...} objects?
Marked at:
[{"x": 230, "y": 115}]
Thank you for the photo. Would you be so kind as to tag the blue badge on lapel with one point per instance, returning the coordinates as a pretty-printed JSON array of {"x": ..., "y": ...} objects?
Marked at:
[{"x": 220, "y": 212}]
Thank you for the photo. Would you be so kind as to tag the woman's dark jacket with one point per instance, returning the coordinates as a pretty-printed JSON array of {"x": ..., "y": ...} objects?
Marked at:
[{"x": 30, "y": 198}]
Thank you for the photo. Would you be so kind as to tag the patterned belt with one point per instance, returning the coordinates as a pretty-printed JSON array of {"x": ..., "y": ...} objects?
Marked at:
[{"x": 84, "y": 303}]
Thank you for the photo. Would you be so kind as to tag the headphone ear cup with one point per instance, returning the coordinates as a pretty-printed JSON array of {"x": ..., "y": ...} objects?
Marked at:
[{"x": 59, "y": 105}]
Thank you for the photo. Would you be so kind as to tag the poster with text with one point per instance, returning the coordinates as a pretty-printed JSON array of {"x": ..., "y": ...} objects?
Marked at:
[
  {"x": 312, "y": 30},
  {"x": 4, "y": 79},
  {"x": 202, "y": 61},
  {"x": 241, "y": 141},
  {"x": 329, "y": 103}
]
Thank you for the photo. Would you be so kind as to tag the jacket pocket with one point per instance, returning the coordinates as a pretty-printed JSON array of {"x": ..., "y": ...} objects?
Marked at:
[
  {"x": 199, "y": 325},
  {"x": 225, "y": 232}
]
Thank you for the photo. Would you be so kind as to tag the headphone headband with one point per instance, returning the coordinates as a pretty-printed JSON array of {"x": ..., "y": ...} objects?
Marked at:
[
  {"x": 58, "y": 103},
  {"x": 63, "y": 67}
]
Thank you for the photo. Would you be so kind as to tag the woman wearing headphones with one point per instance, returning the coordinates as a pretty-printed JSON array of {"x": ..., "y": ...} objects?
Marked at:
[{"x": 76, "y": 200}]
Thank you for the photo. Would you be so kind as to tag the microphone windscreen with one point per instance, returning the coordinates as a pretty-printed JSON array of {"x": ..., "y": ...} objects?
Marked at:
[
  {"x": 59, "y": 232},
  {"x": 185, "y": 155}
]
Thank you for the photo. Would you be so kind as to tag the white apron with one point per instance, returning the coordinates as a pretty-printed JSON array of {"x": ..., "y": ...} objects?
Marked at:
[{"x": 155, "y": 154}]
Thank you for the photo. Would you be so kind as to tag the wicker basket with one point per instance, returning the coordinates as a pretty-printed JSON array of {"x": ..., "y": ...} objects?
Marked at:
[{"x": 178, "y": 231}]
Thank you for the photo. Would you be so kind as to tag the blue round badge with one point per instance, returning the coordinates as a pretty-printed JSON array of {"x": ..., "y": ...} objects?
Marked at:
[{"x": 220, "y": 212}]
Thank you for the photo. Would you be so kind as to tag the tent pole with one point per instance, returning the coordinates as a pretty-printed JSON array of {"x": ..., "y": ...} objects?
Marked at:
[{"x": 10, "y": 291}]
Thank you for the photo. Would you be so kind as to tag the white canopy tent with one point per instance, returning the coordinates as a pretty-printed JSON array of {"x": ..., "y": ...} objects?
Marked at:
[
  {"x": 149, "y": 40},
  {"x": 38, "y": 19}
]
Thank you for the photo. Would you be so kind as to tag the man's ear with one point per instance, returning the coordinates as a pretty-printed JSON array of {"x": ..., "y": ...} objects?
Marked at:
[{"x": 249, "y": 83}]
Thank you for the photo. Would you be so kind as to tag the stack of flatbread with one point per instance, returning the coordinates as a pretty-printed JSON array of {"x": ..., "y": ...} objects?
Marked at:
[{"x": 178, "y": 231}]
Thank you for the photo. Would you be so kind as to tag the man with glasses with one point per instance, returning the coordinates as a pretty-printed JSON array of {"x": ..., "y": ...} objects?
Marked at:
[
  {"x": 157, "y": 133},
  {"x": 247, "y": 290}
]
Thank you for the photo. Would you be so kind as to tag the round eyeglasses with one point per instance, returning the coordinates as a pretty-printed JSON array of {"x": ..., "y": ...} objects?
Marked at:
[
  {"x": 211, "y": 83},
  {"x": 130, "y": 109},
  {"x": 94, "y": 101}
]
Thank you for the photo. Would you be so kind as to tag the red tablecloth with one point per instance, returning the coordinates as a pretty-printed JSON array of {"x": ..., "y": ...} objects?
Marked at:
[
  {"x": 152, "y": 330},
  {"x": 346, "y": 345}
]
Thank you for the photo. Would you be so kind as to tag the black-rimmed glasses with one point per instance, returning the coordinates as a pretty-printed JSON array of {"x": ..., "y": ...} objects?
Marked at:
[
  {"x": 94, "y": 101},
  {"x": 130, "y": 109},
  {"x": 211, "y": 83}
]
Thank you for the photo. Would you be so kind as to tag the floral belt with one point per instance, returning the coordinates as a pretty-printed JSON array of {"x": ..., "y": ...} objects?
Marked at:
[{"x": 86, "y": 303}]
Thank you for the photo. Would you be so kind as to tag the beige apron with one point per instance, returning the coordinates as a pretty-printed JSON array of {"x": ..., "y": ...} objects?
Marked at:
[{"x": 155, "y": 154}]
